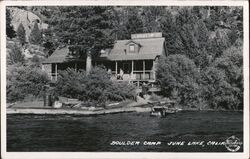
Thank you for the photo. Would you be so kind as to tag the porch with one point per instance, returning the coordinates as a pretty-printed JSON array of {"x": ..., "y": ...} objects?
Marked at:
[
  {"x": 53, "y": 69},
  {"x": 131, "y": 70}
]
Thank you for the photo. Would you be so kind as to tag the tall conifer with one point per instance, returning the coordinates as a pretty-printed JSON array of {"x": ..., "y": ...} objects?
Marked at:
[
  {"x": 9, "y": 28},
  {"x": 35, "y": 35},
  {"x": 21, "y": 34}
]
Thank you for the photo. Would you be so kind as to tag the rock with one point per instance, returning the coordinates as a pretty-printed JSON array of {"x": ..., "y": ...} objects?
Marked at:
[{"x": 27, "y": 18}]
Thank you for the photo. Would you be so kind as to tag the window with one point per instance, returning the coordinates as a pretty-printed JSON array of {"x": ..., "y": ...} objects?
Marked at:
[{"x": 131, "y": 48}]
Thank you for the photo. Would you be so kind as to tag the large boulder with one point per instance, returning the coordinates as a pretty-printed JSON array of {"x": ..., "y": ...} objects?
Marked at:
[{"x": 27, "y": 18}]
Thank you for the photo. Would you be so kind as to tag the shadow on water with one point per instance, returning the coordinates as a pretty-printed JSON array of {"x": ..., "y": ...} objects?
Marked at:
[{"x": 96, "y": 133}]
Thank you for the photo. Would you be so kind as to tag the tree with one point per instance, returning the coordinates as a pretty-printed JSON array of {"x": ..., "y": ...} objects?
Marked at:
[
  {"x": 134, "y": 24},
  {"x": 9, "y": 27},
  {"x": 169, "y": 31},
  {"x": 15, "y": 55},
  {"x": 50, "y": 43},
  {"x": 86, "y": 29},
  {"x": 178, "y": 74},
  {"x": 151, "y": 17},
  {"x": 23, "y": 81},
  {"x": 223, "y": 80},
  {"x": 95, "y": 88},
  {"x": 35, "y": 35},
  {"x": 21, "y": 34}
]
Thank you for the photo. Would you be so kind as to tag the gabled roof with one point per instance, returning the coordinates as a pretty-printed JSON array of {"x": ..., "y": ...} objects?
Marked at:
[
  {"x": 58, "y": 56},
  {"x": 150, "y": 49},
  {"x": 132, "y": 41}
]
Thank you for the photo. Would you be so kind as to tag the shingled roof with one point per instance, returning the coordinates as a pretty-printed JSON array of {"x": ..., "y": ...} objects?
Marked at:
[
  {"x": 58, "y": 56},
  {"x": 61, "y": 55},
  {"x": 150, "y": 48}
]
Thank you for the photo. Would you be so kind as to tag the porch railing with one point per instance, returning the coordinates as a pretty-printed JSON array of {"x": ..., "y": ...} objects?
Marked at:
[
  {"x": 136, "y": 75},
  {"x": 53, "y": 76}
]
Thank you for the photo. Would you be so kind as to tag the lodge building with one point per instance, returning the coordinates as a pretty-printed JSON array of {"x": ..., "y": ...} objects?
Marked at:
[{"x": 132, "y": 60}]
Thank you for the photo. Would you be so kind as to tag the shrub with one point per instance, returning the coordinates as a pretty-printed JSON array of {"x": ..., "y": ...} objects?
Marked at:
[
  {"x": 120, "y": 91},
  {"x": 94, "y": 87},
  {"x": 15, "y": 55},
  {"x": 178, "y": 78},
  {"x": 223, "y": 80},
  {"x": 23, "y": 81},
  {"x": 71, "y": 84}
]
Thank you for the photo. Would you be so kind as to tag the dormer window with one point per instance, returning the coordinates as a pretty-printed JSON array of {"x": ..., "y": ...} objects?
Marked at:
[{"x": 132, "y": 48}]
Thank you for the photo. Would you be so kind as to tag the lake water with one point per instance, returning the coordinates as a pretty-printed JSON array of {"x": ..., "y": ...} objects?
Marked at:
[{"x": 116, "y": 132}]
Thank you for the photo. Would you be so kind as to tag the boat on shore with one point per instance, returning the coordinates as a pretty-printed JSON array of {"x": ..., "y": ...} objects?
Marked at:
[{"x": 163, "y": 109}]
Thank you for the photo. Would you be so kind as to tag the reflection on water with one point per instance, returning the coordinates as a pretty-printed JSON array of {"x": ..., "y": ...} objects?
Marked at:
[{"x": 96, "y": 133}]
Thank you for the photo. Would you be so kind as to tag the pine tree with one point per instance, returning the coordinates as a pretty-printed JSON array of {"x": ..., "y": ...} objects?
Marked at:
[
  {"x": 9, "y": 27},
  {"x": 134, "y": 24},
  {"x": 87, "y": 28},
  {"x": 151, "y": 17},
  {"x": 21, "y": 34},
  {"x": 168, "y": 29},
  {"x": 35, "y": 35}
]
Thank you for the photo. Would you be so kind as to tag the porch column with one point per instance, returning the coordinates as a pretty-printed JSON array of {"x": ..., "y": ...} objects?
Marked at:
[
  {"x": 132, "y": 71},
  {"x": 153, "y": 69},
  {"x": 143, "y": 75},
  {"x": 116, "y": 67},
  {"x": 75, "y": 66},
  {"x": 88, "y": 62},
  {"x": 56, "y": 72}
]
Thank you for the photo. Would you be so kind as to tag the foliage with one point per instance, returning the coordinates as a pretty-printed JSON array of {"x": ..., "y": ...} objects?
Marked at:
[
  {"x": 223, "y": 80},
  {"x": 15, "y": 55},
  {"x": 35, "y": 35},
  {"x": 203, "y": 43},
  {"x": 94, "y": 87},
  {"x": 23, "y": 81},
  {"x": 9, "y": 27},
  {"x": 50, "y": 43},
  {"x": 169, "y": 31},
  {"x": 151, "y": 18},
  {"x": 86, "y": 29},
  {"x": 134, "y": 23},
  {"x": 36, "y": 61},
  {"x": 21, "y": 34},
  {"x": 179, "y": 73},
  {"x": 71, "y": 83}
]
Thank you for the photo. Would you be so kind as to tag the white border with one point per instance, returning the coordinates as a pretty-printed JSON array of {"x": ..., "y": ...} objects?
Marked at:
[{"x": 122, "y": 155}]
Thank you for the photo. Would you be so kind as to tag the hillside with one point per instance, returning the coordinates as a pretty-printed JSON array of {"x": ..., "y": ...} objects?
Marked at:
[
  {"x": 28, "y": 51},
  {"x": 27, "y": 18}
]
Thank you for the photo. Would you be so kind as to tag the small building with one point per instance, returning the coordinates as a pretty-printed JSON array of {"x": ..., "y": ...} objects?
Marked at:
[
  {"x": 61, "y": 59},
  {"x": 131, "y": 60}
]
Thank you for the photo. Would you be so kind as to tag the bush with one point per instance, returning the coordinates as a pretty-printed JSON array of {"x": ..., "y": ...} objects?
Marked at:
[
  {"x": 15, "y": 55},
  {"x": 178, "y": 79},
  {"x": 223, "y": 80},
  {"x": 24, "y": 81},
  {"x": 94, "y": 87},
  {"x": 71, "y": 84}
]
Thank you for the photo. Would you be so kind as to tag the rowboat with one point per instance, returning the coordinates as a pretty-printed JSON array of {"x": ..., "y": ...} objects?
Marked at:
[{"x": 162, "y": 109}]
